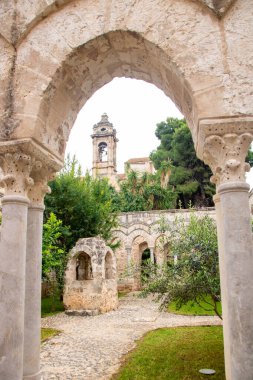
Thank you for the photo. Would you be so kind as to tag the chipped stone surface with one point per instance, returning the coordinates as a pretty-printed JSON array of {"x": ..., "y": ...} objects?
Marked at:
[
  {"x": 66, "y": 50},
  {"x": 137, "y": 231},
  {"x": 92, "y": 348},
  {"x": 91, "y": 277}
]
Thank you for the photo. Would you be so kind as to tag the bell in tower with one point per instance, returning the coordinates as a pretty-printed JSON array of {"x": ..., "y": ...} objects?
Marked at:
[{"x": 104, "y": 149}]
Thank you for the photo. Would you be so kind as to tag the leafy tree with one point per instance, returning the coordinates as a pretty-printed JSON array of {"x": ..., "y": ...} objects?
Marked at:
[
  {"x": 195, "y": 274},
  {"x": 189, "y": 176},
  {"x": 82, "y": 203},
  {"x": 145, "y": 192},
  {"x": 54, "y": 253}
]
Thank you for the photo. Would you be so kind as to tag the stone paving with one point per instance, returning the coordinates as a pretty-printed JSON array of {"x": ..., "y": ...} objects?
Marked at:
[{"x": 91, "y": 348}]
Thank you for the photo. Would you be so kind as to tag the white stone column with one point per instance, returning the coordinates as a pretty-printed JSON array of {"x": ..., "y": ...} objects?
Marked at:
[
  {"x": 225, "y": 154},
  {"x": 152, "y": 256},
  {"x": 16, "y": 179},
  {"x": 32, "y": 323},
  {"x": 224, "y": 286}
]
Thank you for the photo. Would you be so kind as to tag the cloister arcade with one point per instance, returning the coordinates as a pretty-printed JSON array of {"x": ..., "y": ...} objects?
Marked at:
[{"x": 54, "y": 54}]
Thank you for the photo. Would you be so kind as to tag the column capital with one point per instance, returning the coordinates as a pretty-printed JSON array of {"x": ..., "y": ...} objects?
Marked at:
[
  {"x": 26, "y": 169},
  {"x": 40, "y": 174},
  {"x": 225, "y": 149},
  {"x": 16, "y": 170}
]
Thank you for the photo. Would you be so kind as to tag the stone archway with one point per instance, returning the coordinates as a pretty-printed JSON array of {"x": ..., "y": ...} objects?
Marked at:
[
  {"x": 83, "y": 267},
  {"x": 139, "y": 248},
  {"x": 53, "y": 58},
  {"x": 161, "y": 250}
]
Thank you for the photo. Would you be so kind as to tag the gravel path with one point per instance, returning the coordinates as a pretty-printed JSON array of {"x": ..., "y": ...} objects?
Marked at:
[{"x": 90, "y": 348}]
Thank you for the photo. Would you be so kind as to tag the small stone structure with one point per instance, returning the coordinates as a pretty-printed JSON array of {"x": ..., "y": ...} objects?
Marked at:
[{"x": 90, "y": 279}]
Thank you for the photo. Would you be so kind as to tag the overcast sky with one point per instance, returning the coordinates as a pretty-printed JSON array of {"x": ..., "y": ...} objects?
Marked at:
[{"x": 134, "y": 107}]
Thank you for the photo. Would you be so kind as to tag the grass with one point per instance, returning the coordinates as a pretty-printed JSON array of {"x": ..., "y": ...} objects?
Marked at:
[
  {"x": 123, "y": 293},
  {"x": 175, "y": 354},
  {"x": 49, "y": 306},
  {"x": 48, "y": 333},
  {"x": 192, "y": 308}
]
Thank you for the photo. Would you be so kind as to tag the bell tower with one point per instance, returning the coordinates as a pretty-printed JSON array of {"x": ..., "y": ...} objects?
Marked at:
[{"x": 104, "y": 149}]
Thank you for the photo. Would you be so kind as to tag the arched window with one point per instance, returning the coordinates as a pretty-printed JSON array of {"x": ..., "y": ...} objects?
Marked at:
[
  {"x": 83, "y": 267},
  {"x": 102, "y": 152},
  {"x": 108, "y": 266},
  {"x": 145, "y": 258}
]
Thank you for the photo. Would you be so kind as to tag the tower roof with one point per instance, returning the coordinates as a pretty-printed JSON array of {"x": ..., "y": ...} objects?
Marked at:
[
  {"x": 104, "y": 122},
  {"x": 104, "y": 128}
]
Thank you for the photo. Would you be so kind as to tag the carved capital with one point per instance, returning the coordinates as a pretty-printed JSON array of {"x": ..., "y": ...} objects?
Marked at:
[
  {"x": 40, "y": 174},
  {"x": 26, "y": 169},
  {"x": 225, "y": 154},
  {"x": 15, "y": 177}
]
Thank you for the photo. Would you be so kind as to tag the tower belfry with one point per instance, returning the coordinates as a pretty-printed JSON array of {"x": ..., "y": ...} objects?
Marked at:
[{"x": 104, "y": 148}]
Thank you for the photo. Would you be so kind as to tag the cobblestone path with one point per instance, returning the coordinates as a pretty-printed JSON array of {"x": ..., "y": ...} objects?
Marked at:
[{"x": 90, "y": 348}]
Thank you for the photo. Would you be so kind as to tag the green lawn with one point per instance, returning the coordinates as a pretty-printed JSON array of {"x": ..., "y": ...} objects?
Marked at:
[
  {"x": 50, "y": 306},
  {"x": 48, "y": 333},
  {"x": 123, "y": 293},
  {"x": 175, "y": 354},
  {"x": 192, "y": 308}
]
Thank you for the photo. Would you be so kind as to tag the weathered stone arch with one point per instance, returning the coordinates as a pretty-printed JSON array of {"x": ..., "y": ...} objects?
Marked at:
[
  {"x": 109, "y": 266},
  {"x": 83, "y": 267},
  {"x": 140, "y": 226},
  {"x": 53, "y": 57},
  {"x": 70, "y": 274},
  {"x": 139, "y": 244},
  {"x": 93, "y": 52},
  {"x": 97, "y": 286},
  {"x": 160, "y": 251},
  {"x": 120, "y": 232},
  {"x": 139, "y": 232}
]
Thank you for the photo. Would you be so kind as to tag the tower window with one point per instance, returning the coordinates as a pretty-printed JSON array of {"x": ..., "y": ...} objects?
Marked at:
[{"x": 102, "y": 152}]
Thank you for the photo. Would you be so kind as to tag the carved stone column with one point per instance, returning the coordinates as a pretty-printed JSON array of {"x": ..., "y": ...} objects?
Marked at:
[
  {"x": 16, "y": 180},
  {"x": 19, "y": 160},
  {"x": 225, "y": 152},
  {"x": 40, "y": 175}
]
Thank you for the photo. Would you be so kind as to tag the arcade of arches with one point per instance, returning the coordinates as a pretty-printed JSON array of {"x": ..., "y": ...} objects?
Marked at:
[
  {"x": 140, "y": 239},
  {"x": 54, "y": 54}
]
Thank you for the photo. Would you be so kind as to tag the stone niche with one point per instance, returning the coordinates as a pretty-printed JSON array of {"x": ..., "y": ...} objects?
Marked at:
[{"x": 90, "y": 278}]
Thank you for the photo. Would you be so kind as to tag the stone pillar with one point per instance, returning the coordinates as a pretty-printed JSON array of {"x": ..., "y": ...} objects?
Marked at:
[
  {"x": 152, "y": 256},
  {"x": 224, "y": 286},
  {"x": 33, "y": 274},
  {"x": 16, "y": 179},
  {"x": 225, "y": 154},
  {"x": 129, "y": 256}
]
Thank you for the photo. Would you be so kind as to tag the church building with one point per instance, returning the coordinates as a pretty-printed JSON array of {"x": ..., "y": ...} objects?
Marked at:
[{"x": 104, "y": 162}]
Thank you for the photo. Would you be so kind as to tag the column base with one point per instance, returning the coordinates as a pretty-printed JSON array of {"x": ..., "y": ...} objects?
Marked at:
[{"x": 35, "y": 376}]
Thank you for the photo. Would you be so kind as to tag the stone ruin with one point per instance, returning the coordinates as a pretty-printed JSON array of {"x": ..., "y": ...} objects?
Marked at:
[{"x": 90, "y": 278}]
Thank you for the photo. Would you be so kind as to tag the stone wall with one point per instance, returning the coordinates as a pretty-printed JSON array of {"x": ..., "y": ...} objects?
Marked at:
[
  {"x": 138, "y": 231},
  {"x": 91, "y": 277}
]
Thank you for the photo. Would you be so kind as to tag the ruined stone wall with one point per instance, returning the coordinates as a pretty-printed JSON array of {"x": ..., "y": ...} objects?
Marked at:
[
  {"x": 96, "y": 286},
  {"x": 138, "y": 230}
]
